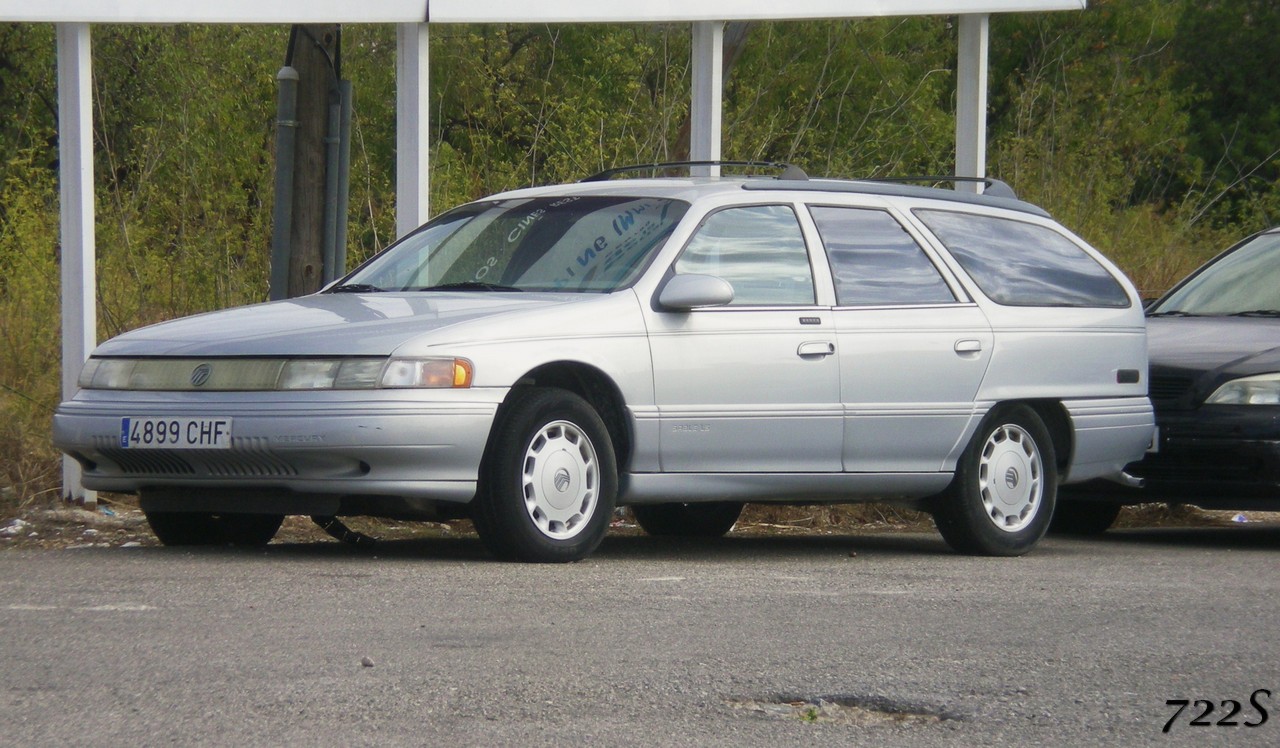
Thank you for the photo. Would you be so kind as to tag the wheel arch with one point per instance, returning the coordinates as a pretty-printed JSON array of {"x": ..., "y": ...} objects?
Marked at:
[
  {"x": 1058, "y": 422},
  {"x": 592, "y": 385}
]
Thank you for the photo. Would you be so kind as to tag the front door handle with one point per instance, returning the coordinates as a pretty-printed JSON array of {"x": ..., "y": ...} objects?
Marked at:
[
  {"x": 816, "y": 348},
  {"x": 968, "y": 346}
]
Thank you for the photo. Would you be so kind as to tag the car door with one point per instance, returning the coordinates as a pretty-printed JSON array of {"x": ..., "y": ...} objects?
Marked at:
[
  {"x": 913, "y": 348},
  {"x": 753, "y": 385}
]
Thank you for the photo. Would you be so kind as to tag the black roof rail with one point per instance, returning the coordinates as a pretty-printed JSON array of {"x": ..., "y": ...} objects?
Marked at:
[
  {"x": 991, "y": 186},
  {"x": 789, "y": 171}
]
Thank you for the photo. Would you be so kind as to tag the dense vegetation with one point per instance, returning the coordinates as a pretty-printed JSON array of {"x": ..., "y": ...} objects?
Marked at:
[{"x": 1150, "y": 127}]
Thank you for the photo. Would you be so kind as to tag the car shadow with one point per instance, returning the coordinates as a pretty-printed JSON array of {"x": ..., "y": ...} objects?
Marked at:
[
  {"x": 616, "y": 547},
  {"x": 1244, "y": 536},
  {"x": 758, "y": 547},
  {"x": 732, "y": 548}
]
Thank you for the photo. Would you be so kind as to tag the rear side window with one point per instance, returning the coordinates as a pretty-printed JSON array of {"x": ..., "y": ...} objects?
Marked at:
[
  {"x": 1024, "y": 264},
  {"x": 875, "y": 261}
]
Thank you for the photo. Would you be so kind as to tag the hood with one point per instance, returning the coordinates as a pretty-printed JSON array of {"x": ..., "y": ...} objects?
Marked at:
[
  {"x": 1238, "y": 346},
  {"x": 323, "y": 324}
]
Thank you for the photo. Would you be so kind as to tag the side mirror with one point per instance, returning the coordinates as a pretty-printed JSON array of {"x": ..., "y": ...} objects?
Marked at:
[{"x": 692, "y": 290}]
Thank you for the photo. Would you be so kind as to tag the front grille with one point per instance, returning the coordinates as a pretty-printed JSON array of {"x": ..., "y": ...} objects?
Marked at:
[
  {"x": 1209, "y": 465},
  {"x": 1163, "y": 387},
  {"x": 248, "y": 458},
  {"x": 148, "y": 462}
]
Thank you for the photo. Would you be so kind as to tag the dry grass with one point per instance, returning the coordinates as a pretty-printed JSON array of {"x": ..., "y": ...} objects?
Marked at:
[
  {"x": 30, "y": 469},
  {"x": 785, "y": 518}
]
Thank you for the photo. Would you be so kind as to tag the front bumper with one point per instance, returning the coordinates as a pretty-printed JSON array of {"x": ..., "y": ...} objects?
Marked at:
[{"x": 414, "y": 444}]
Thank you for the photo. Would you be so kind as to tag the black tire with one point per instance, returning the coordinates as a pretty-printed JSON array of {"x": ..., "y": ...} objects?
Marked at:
[
  {"x": 701, "y": 520},
  {"x": 1083, "y": 517},
  {"x": 204, "y": 528},
  {"x": 1003, "y": 494},
  {"x": 549, "y": 480}
]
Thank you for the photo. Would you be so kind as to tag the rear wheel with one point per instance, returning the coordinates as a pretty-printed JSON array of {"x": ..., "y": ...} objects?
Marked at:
[
  {"x": 549, "y": 481},
  {"x": 702, "y": 520},
  {"x": 1002, "y": 497},
  {"x": 205, "y": 528}
]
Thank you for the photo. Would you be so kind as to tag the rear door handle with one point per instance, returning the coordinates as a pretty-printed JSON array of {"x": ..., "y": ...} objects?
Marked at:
[
  {"x": 816, "y": 348},
  {"x": 968, "y": 346}
]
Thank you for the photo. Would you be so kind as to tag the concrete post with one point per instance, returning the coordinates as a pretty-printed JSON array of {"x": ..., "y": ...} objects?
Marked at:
[{"x": 75, "y": 189}]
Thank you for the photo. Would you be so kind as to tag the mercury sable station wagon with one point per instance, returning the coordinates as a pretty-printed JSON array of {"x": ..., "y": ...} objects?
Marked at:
[{"x": 677, "y": 345}]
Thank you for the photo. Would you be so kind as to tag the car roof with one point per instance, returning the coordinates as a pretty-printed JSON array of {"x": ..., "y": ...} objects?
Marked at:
[{"x": 691, "y": 189}]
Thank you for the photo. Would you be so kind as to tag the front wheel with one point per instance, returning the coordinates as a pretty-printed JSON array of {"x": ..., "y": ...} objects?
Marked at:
[
  {"x": 1003, "y": 494},
  {"x": 223, "y": 528},
  {"x": 549, "y": 480}
]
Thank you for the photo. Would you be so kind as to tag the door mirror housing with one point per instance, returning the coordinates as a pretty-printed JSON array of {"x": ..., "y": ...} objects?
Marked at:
[{"x": 694, "y": 290}]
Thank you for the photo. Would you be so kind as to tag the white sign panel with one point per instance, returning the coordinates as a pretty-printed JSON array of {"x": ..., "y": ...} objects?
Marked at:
[{"x": 503, "y": 11}]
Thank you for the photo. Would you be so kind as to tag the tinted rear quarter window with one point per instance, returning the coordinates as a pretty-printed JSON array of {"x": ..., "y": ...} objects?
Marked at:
[{"x": 1024, "y": 264}]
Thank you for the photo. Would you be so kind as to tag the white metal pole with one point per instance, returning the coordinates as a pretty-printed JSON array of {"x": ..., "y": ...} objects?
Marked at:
[
  {"x": 707, "y": 94},
  {"x": 75, "y": 187},
  {"x": 412, "y": 128},
  {"x": 971, "y": 99}
]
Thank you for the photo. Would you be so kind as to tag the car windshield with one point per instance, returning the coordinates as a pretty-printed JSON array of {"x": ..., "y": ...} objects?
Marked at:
[
  {"x": 590, "y": 244},
  {"x": 1244, "y": 282}
]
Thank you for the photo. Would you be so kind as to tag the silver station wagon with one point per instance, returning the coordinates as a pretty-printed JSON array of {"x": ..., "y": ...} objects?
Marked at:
[{"x": 677, "y": 345}]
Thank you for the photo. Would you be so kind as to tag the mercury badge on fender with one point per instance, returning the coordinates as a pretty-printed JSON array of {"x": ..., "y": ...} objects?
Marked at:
[{"x": 677, "y": 345}]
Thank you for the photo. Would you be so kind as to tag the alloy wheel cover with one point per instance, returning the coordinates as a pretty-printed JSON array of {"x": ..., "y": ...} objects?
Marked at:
[
  {"x": 1011, "y": 478},
  {"x": 560, "y": 479}
]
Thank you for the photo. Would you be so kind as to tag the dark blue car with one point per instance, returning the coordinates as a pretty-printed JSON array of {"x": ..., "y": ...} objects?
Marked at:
[{"x": 1214, "y": 347}]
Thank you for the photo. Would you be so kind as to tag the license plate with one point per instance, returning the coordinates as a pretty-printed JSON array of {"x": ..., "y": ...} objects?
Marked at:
[{"x": 175, "y": 433}]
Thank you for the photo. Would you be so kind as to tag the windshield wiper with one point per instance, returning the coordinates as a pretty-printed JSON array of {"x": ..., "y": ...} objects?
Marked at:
[
  {"x": 468, "y": 286},
  {"x": 1257, "y": 313},
  {"x": 356, "y": 288},
  {"x": 1172, "y": 313}
]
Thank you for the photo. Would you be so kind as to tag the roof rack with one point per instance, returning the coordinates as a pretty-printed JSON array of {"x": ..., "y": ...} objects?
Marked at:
[
  {"x": 789, "y": 171},
  {"x": 991, "y": 187},
  {"x": 902, "y": 187}
]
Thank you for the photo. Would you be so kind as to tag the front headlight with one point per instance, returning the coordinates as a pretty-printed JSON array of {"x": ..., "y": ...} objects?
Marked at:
[
  {"x": 399, "y": 373},
  {"x": 106, "y": 374},
  {"x": 308, "y": 375},
  {"x": 1263, "y": 389},
  {"x": 330, "y": 374}
]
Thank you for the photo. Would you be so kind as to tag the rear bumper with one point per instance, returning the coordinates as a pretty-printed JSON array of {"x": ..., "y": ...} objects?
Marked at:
[{"x": 1109, "y": 434}]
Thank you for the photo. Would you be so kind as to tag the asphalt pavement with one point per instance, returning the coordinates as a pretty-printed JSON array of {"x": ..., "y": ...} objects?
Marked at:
[{"x": 879, "y": 640}]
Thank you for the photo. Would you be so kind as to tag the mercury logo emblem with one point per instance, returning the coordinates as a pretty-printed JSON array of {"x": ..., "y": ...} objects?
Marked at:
[
  {"x": 563, "y": 480},
  {"x": 1011, "y": 477},
  {"x": 200, "y": 375}
]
